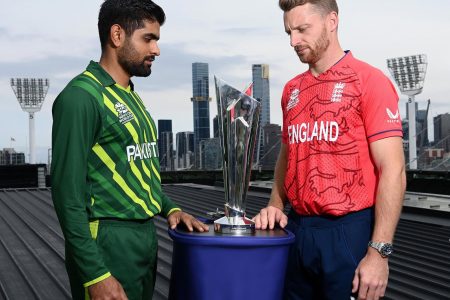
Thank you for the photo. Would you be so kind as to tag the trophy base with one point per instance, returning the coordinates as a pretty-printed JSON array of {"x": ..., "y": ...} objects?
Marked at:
[{"x": 237, "y": 226}]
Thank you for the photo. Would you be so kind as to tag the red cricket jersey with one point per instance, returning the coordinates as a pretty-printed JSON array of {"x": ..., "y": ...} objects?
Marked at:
[{"x": 328, "y": 123}]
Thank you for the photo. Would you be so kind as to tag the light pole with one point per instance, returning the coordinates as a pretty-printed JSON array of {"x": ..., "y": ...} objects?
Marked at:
[
  {"x": 409, "y": 74},
  {"x": 30, "y": 93}
]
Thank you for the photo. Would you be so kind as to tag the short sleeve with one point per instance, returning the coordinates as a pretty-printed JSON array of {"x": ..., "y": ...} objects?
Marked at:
[{"x": 379, "y": 107}]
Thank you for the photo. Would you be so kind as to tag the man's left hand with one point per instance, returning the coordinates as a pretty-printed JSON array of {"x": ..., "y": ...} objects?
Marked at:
[
  {"x": 371, "y": 276},
  {"x": 189, "y": 221}
]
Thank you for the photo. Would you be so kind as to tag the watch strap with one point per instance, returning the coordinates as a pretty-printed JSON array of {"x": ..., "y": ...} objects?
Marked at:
[{"x": 385, "y": 249}]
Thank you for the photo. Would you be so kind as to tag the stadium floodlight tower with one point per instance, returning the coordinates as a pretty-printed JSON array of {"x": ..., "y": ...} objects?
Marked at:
[
  {"x": 409, "y": 74},
  {"x": 30, "y": 93}
]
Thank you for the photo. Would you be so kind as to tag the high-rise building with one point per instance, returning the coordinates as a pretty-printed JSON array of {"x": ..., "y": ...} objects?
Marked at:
[
  {"x": 165, "y": 144},
  {"x": 184, "y": 157},
  {"x": 210, "y": 154},
  {"x": 272, "y": 145},
  {"x": 442, "y": 131},
  {"x": 8, "y": 156},
  {"x": 164, "y": 126},
  {"x": 421, "y": 127},
  {"x": 200, "y": 99},
  {"x": 166, "y": 154},
  {"x": 261, "y": 92}
]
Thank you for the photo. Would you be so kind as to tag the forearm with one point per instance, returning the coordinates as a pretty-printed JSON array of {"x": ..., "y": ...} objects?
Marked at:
[
  {"x": 389, "y": 202},
  {"x": 278, "y": 195},
  {"x": 372, "y": 273}
]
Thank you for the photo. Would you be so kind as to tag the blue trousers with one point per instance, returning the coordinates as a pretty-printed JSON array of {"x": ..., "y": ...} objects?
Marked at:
[{"x": 326, "y": 252}]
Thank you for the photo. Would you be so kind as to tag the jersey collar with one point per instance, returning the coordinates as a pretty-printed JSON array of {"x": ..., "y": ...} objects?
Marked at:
[
  {"x": 103, "y": 76},
  {"x": 347, "y": 55}
]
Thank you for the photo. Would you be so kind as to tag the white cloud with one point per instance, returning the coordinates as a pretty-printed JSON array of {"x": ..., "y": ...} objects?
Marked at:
[{"x": 56, "y": 39}]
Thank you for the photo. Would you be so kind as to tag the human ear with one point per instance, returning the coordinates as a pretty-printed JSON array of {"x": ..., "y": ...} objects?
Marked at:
[
  {"x": 333, "y": 21},
  {"x": 117, "y": 35}
]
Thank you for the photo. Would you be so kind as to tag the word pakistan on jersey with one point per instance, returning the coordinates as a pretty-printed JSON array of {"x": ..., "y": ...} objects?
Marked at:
[{"x": 142, "y": 151}]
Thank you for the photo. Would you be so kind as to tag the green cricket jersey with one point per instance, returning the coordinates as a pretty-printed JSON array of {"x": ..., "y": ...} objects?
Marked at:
[{"x": 104, "y": 163}]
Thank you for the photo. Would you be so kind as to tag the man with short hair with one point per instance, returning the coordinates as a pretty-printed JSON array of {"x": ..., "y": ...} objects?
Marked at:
[
  {"x": 341, "y": 164},
  {"x": 106, "y": 184}
]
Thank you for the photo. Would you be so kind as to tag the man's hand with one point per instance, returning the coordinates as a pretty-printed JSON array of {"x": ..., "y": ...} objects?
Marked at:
[
  {"x": 107, "y": 289},
  {"x": 371, "y": 276},
  {"x": 191, "y": 223},
  {"x": 269, "y": 216}
]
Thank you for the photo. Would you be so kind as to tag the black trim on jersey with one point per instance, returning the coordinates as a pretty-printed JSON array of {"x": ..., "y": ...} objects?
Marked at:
[{"x": 381, "y": 132}]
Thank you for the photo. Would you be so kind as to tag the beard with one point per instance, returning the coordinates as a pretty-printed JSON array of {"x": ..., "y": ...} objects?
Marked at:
[
  {"x": 315, "y": 52},
  {"x": 130, "y": 61}
]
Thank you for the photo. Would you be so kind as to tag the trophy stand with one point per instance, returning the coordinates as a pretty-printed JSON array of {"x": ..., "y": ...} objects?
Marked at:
[{"x": 232, "y": 261}]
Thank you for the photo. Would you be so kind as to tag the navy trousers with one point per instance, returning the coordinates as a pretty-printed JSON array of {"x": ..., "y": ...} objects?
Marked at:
[{"x": 326, "y": 252}]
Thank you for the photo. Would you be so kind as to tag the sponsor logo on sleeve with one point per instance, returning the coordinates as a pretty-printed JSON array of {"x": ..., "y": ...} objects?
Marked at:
[{"x": 393, "y": 118}]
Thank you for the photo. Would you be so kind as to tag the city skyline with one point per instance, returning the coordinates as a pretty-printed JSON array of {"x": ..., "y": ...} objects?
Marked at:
[{"x": 221, "y": 34}]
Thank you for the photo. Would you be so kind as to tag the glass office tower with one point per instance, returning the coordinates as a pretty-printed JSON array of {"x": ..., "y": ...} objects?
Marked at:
[{"x": 200, "y": 99}]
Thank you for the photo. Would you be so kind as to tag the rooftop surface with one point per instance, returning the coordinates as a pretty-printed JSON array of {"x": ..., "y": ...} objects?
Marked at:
[{"x": 32, "y": 245}]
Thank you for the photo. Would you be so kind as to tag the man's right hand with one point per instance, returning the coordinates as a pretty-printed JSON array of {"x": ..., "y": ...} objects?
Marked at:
[
  {"x": 107, "y": 289},
  {"x": 269, "y": 216}
]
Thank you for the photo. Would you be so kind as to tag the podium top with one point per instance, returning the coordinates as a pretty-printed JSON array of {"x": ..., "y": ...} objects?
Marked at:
[{"x": 276, "y": 236}]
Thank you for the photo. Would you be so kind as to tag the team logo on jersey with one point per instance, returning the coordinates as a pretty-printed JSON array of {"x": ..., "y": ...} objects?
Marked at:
[
  {"x": 337, "y": 92},
  {"x": 293, "y": 99},
  {"x": 123, "y": 113},
  {"x": 393, "y": 118}
]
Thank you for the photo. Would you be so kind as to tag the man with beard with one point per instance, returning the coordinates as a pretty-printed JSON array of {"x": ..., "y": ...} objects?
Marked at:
[
  {"x": 106, "y": 185},
  {"x": 341, "y": 164}
]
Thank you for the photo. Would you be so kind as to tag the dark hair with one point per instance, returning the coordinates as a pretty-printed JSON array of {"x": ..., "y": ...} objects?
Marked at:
[
  {"x": 325, "y": 6},
  {"x": 129, "y": 14}
]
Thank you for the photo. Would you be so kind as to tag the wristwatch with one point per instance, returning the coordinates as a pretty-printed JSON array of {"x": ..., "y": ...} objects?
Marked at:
[{"x": 385, "y": 249}]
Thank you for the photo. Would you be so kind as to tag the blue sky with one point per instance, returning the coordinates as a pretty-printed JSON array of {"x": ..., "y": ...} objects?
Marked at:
[{"x": 56, "y": 40}]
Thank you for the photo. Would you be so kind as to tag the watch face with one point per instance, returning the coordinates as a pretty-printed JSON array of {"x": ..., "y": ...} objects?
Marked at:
[{"x": 386, "y": 250}]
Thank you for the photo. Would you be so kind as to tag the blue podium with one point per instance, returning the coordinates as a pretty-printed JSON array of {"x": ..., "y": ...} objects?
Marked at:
[{"x": 215, "y": 266}]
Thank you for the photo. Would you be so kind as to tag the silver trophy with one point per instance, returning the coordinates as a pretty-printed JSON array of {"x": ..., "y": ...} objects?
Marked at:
[{"x": 238, "y": 127}]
